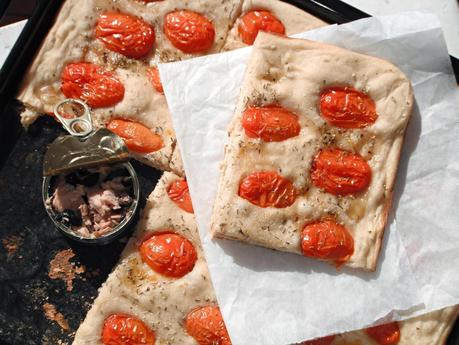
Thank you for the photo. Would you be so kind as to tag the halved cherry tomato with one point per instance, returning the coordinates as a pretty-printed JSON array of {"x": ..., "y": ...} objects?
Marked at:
[
  {"x": 320, "y": 341},
  {"x": 206, "y": 326},
  {"x": 180, "y": 194},
  {"x": 125, "y": 34},
  {"x": 91, "y": 83},
  {"x": 267, "y": 189},
  {"x": 153, "y": 75},
  {"x": 137, "y": 137},
  {"x": 258, "y": 20},
  {"x": 347, "y": 107},
  {"x": 122, "y": 329},
  {"x": 270, "y": 123},
  {"x": 340, "y": 172},
  {"x": 388, "y": 334},
  {"x": 169, "y": 254},
  {"x": 189, "y": 31},
  {"x": 327, "y": 240}
]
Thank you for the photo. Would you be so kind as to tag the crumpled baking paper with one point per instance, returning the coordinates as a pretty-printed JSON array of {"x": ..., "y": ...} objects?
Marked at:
[{"x": 269, "y": 297}]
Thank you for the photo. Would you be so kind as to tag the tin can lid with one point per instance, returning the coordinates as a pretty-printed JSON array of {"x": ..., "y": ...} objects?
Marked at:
[{"x": 84, "y": 147}]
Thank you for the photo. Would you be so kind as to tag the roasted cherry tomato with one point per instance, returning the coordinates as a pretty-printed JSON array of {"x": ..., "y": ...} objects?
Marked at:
[
  {"x": 153, "y": 74},
  {"x": 267, "y": 189},
  {"x": 121, "y": 329},
  {"x": 180, "y": 194},
  {"x": 206, "y": 326},
  {"x": 327, "y": 240},
  {"x": 189, "y": 31},
  {"x": 125, "y": 34},
  {"x": 91, "y": 83},
  {"x": 320, "y": 341},
  {"x": 169, "y": 254},
  {"x": 137, "y": 137},
  {"x": 270, "y": 123},
  {"x": 340, "y": 172},
  {"x": 347, "y": 107},
  {"x": 388, "y": 334},
  {"x": 258, "y": 20}
]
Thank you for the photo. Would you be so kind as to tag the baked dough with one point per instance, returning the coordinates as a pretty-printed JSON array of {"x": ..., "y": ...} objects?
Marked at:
[
  {"x": 292, "y": 73},
  {"x": 428, "y": 329},
  {"x": 294, "y": 19},
  {"x": 135, "y": 289},
  {"x": 71, "y": 40}
]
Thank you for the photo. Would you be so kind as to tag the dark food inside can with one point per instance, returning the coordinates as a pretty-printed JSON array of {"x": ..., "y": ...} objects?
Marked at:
[{"x": 92, "y": 202}]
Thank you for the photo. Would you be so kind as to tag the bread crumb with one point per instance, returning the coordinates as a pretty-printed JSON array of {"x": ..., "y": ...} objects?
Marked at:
[
  {"x": 61, "y": 268},
  {"x": 52, "y": 314},
  {"x": 12, "y": 243}
]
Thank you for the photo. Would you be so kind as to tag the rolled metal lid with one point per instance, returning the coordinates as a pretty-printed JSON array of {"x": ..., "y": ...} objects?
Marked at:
[{"x": 84, "y": 148}]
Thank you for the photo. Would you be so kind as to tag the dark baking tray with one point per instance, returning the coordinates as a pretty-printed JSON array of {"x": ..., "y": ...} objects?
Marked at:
[{"x": 24, "y": 282}]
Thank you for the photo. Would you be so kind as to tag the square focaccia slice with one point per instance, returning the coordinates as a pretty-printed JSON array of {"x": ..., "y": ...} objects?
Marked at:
[
  {"x": 270, "y": 16},
  {"x": 313, "y": 151},
  {"x": 428, "y": 329},
  {"x": 160, "y": 291},
  {"x": 105, "y": 53}
]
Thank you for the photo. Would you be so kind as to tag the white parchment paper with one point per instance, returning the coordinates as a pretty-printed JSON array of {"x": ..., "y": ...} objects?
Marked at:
[{"x": 269, "y": 297}]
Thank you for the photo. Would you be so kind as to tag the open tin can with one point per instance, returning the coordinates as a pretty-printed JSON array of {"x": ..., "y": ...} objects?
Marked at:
[{"x": 92, "y": 167}]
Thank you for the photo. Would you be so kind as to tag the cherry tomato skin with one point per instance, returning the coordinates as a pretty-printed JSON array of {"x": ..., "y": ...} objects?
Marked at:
[
  {"x": 320, "y": 341},
  {"x": 137, "y": 137},
  {"x": 327, "y": 240},
  {"x": 189, "y": 31},
  {"x": 125, "y": 34},
  {"x": 119, "y": 329},
  {"x": 270, "y": 123},
  {"x": 346, "y": 107},
  {"x": 267, "y": 189},
  {"x": 180, "y": 194},
  {"x": 153, "y": 75},
  {"x": 91, "y": 83},
  {"x": 387, "y": 334},
  {"x": 340, "y": 172},
  {"x": 169, "y": 254},
  {"x": 206, "y": 326},
  {"x": 258, "y": 20}
]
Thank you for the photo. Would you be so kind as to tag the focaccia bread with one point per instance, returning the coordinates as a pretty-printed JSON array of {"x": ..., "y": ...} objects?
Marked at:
[
  {"x": 73, "y": 38},
  {"x": 428, "y": 329},
  {"x": 292, "y": 20},
  {"x": 313, "y": 151},
  {"x": 124, "y": 41},
  {"x": 161, "y": 301},
  {"x": 117, "y": 79}
]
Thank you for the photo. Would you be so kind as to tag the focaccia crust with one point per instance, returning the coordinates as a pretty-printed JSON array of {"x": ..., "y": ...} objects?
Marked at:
[
  {"x": 429, "y": 329},
  {"x": 292, "y": 73}
]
